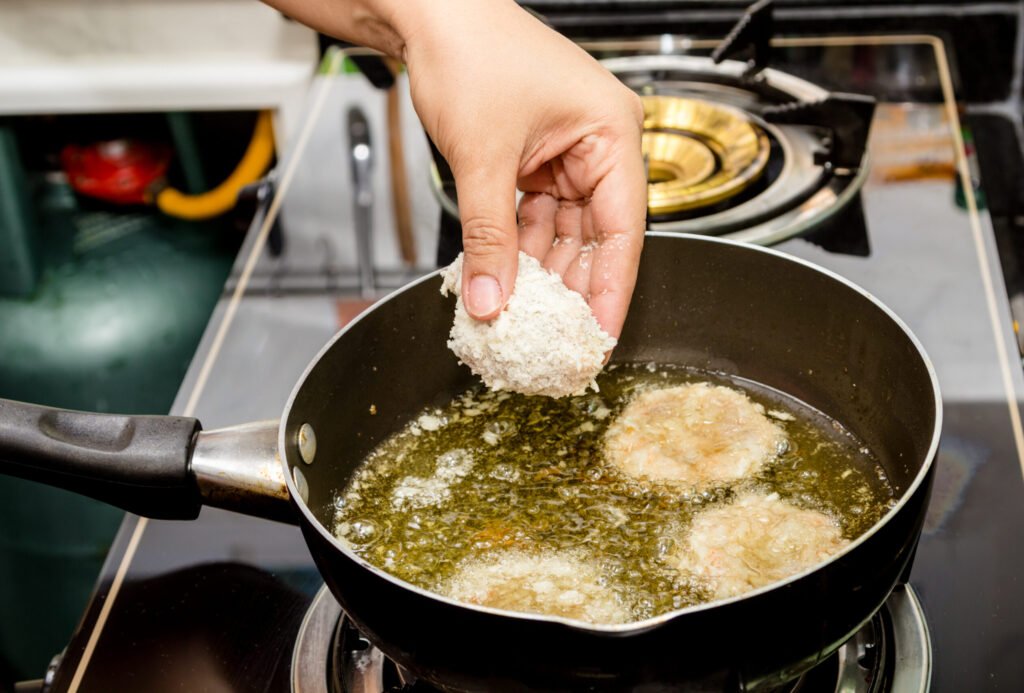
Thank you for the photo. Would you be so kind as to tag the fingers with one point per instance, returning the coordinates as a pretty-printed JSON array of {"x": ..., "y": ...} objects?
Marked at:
[
  {"x": 490, "y": 238},
  {"x": 577, "y": 273},
  {"x": 612, "y": 279},
  {"x": 537, "y": 224},
  {"x": 553, "y": 179},
  {"x": 568, "y": 236},
  {"x": 540, "y": 181},
  {"x": 619, "y": 208}
]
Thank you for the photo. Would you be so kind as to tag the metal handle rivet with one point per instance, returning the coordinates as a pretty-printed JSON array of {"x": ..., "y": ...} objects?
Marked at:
[
  {"x": 300, "y": 484},
  {"x": 307, "y": 443}
]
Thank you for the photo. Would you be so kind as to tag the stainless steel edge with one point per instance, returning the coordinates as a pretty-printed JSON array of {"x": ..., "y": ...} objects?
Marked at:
[
  {"x": 913, "y": 670},
  {"x": 312, "y": 647},
  {"x": 796, "y": 87},
  {"x": 238, "y": 468}
]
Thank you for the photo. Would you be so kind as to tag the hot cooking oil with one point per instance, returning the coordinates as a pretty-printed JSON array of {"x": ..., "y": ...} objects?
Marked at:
[{"x": 499, "y": 471}]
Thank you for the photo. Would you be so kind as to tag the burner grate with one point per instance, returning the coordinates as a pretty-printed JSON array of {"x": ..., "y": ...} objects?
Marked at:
[
  {"x": 892, "y": 652},
  {"x": 357, "y": 667}
]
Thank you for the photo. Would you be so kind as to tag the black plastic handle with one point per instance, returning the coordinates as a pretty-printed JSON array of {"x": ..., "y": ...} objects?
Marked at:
[{"x": 138, "y": 463}]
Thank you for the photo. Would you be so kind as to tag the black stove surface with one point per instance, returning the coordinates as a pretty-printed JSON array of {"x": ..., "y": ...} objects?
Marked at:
[{"x": 216, "y": 604}]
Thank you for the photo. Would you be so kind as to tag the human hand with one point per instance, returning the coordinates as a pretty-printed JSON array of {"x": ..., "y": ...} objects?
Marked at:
[{"x": 510, "y": 102}]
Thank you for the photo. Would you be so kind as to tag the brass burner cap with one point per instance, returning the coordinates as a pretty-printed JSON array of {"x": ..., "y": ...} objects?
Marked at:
[{"x": 698, "y": 152}]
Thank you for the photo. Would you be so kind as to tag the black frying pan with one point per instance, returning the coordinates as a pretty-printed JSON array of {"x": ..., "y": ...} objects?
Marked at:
[{"x": 700, "y": 302}]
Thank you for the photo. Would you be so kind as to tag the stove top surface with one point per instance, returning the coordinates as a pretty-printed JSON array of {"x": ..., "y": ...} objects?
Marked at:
[{"x": 217, "y": 604}]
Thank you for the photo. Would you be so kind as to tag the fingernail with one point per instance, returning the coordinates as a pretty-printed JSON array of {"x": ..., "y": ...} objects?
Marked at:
[{"x": 484, "y": 295}]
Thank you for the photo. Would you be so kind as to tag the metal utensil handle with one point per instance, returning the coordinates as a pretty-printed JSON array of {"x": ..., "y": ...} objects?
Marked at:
[{"x": 361, "y": 153}]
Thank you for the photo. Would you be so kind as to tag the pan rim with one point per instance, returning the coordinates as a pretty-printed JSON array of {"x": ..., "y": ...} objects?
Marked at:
[{"x": 633, "y": 627}]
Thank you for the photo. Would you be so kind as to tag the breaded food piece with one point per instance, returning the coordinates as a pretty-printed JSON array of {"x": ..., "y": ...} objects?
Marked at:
[
  {"x": 546, "y": 341},
  {"x": 554, "y": 583},
  {"x": 755, "y": 540},
  {"x": 696, "y": 435}
]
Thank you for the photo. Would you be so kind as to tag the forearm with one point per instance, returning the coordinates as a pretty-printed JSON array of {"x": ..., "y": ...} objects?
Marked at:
[
  {"x": 388, "y": 25},
  {"x": 371, "y": 23}
]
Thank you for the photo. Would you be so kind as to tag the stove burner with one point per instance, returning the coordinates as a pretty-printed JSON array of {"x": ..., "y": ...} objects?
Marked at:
[
  {"x": 698, "y": 153},
  {"x": 800, "y": 186},
  {"x": 891, "y": 652}
]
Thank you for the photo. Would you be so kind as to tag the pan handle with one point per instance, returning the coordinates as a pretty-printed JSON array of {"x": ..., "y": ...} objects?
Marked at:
[
  {"x": 138, "y": 463},
  {"x": 164, "y": 467}
]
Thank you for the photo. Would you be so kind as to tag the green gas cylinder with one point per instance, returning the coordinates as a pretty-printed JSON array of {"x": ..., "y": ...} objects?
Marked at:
[{"x": 121, "y": 301}]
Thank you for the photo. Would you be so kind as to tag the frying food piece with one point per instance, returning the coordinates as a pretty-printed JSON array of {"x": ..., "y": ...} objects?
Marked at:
[
  {"x": 557, "y": 584},
  {"x": 546, "y": 341},
  {"x": 697, "y": 435},
  {"x": 754, "y": 541}
]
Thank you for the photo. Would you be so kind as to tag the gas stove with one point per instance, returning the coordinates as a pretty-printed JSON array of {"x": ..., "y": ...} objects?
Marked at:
[
  {"x": 232, "y": 603},
  {"x": 891, "y": 652},
  {"x": 807, "y": 163}
]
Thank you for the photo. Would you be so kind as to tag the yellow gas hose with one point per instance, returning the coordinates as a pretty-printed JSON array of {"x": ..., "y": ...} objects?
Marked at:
[{"x": 254, "y": 163}]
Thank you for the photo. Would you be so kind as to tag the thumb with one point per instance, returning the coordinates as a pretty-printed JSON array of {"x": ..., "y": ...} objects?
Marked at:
[{"x": 490, "y": 238}]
